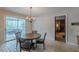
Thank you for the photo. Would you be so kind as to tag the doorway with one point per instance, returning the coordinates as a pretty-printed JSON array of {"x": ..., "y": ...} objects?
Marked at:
[{"x": 60, "y": 28}]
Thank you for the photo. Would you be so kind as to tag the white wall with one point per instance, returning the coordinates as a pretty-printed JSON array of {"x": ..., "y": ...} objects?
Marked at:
[
  {"x": 45, "y": 23},
  {"x": 73, "y": 31}
]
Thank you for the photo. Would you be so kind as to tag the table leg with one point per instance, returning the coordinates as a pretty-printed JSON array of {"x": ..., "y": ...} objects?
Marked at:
[
  {"x": 31, "y": 41},
  {"x": 32, "y": 44}
]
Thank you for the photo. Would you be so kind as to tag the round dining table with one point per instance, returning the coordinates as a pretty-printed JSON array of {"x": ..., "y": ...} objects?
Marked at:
[{"x": 31, "y": 36}]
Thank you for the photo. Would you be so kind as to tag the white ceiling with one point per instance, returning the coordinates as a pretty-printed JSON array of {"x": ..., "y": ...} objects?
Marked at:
[{"x": 36, "y": 11}]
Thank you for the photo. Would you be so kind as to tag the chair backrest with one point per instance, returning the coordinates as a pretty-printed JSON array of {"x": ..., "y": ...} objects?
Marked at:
[
  {"x": 34, "y": 31},
  {"x": 45, "y": 35},
  {"x": 18, "y": 35}
]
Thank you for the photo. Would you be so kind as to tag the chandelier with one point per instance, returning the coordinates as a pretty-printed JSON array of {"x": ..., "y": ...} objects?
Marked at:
[{"x": 30, "y": 17}]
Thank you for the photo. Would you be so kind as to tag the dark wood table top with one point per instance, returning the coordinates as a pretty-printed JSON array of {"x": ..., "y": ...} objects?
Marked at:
[{"x": 32, "y": 36}]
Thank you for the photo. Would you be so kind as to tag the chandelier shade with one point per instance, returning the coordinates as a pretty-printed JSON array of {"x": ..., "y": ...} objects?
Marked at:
[{"x": 30, "y": 17}]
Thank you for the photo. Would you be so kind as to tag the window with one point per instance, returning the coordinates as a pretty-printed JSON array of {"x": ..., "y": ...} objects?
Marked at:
[{"x": 13, "y": 25}]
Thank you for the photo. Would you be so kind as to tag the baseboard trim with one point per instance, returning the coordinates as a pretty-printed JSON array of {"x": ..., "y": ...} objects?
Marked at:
[
  {"x": 72, "y": 44},
  {"x": 6, "y": 41}
]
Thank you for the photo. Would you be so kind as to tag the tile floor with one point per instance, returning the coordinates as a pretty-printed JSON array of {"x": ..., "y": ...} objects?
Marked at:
[{"x": 50, "y": 47}]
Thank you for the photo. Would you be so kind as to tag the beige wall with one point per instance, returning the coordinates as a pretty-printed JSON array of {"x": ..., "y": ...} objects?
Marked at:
[
  {"x": 3, "y": 14},
  {"x": 1, "y": 28}
]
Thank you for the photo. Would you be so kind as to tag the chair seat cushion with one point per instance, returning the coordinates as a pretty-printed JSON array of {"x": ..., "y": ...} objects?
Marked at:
[
  {"x": 22, "y": 40},
  {"x": 39, "y": 41}
]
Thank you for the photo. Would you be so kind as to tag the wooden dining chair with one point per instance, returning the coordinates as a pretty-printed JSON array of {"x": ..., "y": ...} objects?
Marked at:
[
  {"x": 41, "y": 41},
  {"x": 23, "y": 43},
  {"x": 27, "y": 45},
  {"x": 18, "y": 36},
  {"x": 34, "y": 32}
]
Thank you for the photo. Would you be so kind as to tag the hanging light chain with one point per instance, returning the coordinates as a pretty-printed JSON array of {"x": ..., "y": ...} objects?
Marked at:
[{"x": 30, "y": 17}]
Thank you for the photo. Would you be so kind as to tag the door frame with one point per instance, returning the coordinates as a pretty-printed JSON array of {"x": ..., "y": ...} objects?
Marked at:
[{"x": 66, "y": 26}]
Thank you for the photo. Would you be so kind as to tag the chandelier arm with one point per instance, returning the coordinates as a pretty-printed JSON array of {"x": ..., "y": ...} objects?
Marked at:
[{"x": 30, "y": 17}]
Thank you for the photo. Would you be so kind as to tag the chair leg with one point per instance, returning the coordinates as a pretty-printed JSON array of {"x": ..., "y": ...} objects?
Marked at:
[
  {"x": 16, "y": 44},
  {"x": 20, "y": 49},
  {"x": 20, "y": 46},
  {"x": 44, "y": 46},
  {"x": 36, "y": 45},
  {"x": 29, "y": 48}
]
